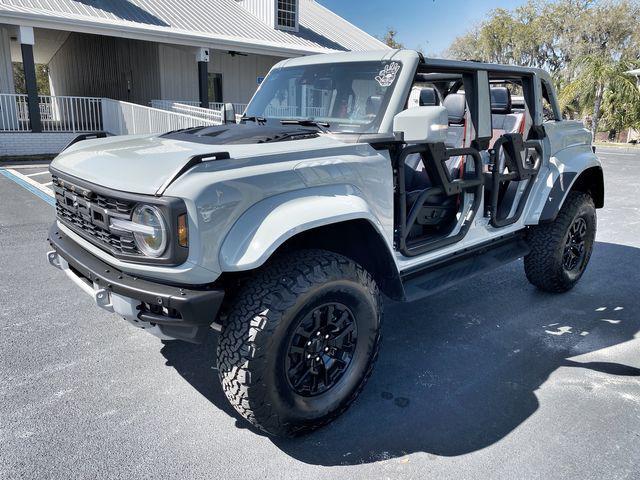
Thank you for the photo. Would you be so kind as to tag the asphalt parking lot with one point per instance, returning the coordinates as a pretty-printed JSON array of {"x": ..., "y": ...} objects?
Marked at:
[{"x": 491, "y": 379}]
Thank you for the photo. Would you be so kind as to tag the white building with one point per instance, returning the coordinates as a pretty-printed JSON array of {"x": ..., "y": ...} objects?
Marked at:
[{"x": 193, "y": 51}]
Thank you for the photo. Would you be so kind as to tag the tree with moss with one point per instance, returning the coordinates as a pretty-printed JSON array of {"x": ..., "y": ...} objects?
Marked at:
[
  {"x": 389, "y": 39},
  {"x": 586, "y": 45}
]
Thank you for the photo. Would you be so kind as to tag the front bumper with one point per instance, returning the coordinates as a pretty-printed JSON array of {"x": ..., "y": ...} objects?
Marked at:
[{"x": 174, "y": 312}]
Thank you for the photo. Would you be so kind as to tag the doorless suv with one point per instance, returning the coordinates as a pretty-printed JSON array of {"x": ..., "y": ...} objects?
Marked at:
[{"x": 350, "y": 176}]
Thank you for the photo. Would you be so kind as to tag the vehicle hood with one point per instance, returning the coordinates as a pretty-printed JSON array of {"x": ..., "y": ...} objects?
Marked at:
[{"x": 143, "y": 163}]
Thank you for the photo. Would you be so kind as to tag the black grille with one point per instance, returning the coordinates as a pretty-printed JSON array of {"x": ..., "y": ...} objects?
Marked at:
[
  {"x": 88, "y": 214},
  {"x": 114, "y": 204}
]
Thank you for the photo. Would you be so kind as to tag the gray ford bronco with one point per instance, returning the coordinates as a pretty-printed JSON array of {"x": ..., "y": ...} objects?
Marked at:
[{"x": 350, "y": 176}]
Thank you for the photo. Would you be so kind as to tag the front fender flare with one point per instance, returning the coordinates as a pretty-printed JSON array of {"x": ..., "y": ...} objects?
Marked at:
[{"x": 269, "y": 223}]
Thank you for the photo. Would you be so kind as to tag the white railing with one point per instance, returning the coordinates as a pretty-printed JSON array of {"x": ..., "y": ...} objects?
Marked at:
[
  {"x": 214, "y": 116},
  {"x": 70, "y": 114},
  {"x": 57, "y": 114},
  {"x": 217, "y": 106},
  {"x": 14, "y": 113},
  {"x": 294, "y": 111},
  {"x": 191, "y": 107},
  {"x": 168, "y": 104},
  {"x": 91, "y": 114},
  {"x": 284, "y": 112},
  {"x": 123, "y": 118},
  {"x": 238, "y": 107}
]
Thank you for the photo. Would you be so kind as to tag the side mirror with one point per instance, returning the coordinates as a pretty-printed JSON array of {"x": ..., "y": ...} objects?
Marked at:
[
  {"x": 422, "y": 124},
  {"x": 229, "y": 113}
]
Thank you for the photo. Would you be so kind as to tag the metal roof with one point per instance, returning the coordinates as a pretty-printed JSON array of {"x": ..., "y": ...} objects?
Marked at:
[{"x": 211, "y": 23}]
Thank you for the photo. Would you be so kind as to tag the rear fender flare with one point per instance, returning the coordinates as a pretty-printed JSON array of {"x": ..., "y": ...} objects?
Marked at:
[{"x": 566, "y": 170}]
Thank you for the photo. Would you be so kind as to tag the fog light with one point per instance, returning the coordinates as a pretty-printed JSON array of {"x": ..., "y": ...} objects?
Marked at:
[{"x": 183, "y": 231}]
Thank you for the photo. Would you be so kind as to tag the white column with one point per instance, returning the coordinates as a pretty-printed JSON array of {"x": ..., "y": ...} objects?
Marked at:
[
  {"x": 6, "y": 70},
  {"x": 8, "y": 104}
]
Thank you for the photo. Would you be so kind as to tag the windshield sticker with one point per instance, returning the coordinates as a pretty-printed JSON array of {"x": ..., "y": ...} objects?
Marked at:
[{"x": 387, "y": 76}]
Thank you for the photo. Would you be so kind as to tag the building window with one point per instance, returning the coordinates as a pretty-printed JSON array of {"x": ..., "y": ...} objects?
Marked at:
[
  {"x": 215, "y": 87},
  {"x": 287, "y": 14}
]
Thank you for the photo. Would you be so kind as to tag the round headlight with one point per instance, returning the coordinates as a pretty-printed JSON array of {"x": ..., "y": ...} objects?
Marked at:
[{"x": 151, "y": 239}]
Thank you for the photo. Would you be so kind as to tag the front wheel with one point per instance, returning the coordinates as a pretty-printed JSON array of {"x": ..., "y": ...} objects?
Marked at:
[
  {"x": 560, "y": 250},
  {"x": 300, "y": 341}
]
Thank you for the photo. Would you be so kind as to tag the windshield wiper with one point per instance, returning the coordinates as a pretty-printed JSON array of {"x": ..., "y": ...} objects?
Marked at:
[
  {"x": 323, "y": 126},
  {"x": 254, "y": 119}
]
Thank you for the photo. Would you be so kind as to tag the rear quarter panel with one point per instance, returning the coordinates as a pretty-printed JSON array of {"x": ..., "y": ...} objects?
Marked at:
[{"x": 570, "y": 153}]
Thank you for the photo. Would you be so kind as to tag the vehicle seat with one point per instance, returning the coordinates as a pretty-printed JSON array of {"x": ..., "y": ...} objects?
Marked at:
[
  {"x": 423, "y": 97},
  {"x": 503, "y": 118},
  {"x": 429, "y": 97},
  {"x": 456, "y": 105},
  {"x": 374, "y": 102}
]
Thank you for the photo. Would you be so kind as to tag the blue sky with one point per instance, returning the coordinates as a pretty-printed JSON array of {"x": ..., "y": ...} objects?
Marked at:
[{"x": 427, "y": 24}]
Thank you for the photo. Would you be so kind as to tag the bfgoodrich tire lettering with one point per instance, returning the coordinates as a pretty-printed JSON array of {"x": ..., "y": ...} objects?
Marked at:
[
  {"x": 547, "y": 266},
  {"x": 254, "y": 346}
]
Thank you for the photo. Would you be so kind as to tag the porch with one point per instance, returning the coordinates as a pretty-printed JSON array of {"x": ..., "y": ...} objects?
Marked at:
[{"x": 118, "y": 85}]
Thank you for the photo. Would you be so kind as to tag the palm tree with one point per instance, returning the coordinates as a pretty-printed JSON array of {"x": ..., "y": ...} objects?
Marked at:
[
  {"x": 620, "y": 111},
  {"x": 596, "y": 74}
]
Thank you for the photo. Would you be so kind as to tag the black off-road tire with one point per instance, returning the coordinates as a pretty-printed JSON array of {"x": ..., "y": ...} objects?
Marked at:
[
  {"x": 544, "y": 265},
  {"x": 255, "y": 342}
]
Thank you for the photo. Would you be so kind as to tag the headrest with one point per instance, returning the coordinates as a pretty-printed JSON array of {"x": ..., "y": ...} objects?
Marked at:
[
  {"x": 456, "y": 105},
  {"x": 373, "y": 104},
  {"x": 500, "y": 100},
  {"x": 428, "y": 97}
]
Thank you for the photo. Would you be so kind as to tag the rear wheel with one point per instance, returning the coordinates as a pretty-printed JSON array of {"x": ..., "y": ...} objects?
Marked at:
[
  {"x": 560, "y": 250},
  {"x": 300, "y": 341}
]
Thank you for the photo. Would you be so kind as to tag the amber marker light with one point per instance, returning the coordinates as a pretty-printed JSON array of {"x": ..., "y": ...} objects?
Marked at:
[{"x": 183, "y": 231}]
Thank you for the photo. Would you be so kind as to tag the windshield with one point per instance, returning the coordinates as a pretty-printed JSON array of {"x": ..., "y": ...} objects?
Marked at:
[{"x": 350, "y": 97}]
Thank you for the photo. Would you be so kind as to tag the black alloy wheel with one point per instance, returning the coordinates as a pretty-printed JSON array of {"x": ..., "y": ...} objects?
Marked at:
[
  {"x": 321, "y": 349},
  {"x": 574, "y": 248}
]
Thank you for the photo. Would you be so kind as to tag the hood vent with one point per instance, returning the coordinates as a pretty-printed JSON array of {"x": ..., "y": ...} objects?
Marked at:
[{"x": 241, "y": 134}]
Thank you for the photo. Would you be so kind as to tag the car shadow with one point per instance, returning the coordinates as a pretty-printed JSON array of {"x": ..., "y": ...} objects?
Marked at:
[{"x": 458, "y": 372}]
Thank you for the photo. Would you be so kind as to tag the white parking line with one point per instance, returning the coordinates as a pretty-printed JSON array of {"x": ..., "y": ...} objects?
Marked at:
[
  {"x": 46, "y": 172},
  {"x": 20, "y": 167},
  {"x": 31, "y": 182}
]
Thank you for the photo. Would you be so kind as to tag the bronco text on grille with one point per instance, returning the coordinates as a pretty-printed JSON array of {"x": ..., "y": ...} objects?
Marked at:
[{"x": 88, "y": 213}]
